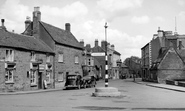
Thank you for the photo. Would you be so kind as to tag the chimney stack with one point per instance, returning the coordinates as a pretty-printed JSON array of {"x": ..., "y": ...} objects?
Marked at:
[
  {"x": 36, "y": 19},
  {"x": 27, "y": 22},
  {"x": 160, "y": 32},
  {"x": 2, "y": 24},
  {"x": 82, "y": 43},
  {"x": 68, "y": 27},
  {"x": 112, "y": 47},
  {"x": 103, "y": 43},
  {"x": 96, "y": 43}
]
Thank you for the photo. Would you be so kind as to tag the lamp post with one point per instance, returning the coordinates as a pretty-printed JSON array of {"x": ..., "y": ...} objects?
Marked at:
[{"x": 106, "y": 58}]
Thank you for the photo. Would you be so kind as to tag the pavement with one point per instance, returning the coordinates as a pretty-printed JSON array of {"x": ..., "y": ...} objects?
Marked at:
[{"x": 137, "y": 81}]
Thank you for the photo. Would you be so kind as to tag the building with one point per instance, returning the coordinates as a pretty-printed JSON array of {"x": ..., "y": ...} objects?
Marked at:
[
  {"x": 25, "y": 62},
  {"x": 90, "y": 65},
  {"x": 154, "y": 51},
  {"x": 68, "y": 51},
  {"x": 99, "y": 54}
]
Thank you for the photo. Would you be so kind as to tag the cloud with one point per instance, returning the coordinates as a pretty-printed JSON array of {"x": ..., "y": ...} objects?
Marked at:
[
  {"x": 182, "y": 15},
  {"x": 160, "y": 19},
  {"x": 117, "y": 5},
  {"x": 14, "y": 14},
  {"x": 140, "y": 20},
  {"x": 111, "y": 9},
  {"x": 125, "y": 44},
  {"x": 69, "y": 11},
  {"x": 181, "y": 2}
]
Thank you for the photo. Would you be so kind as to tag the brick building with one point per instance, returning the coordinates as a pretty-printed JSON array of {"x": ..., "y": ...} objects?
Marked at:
[
  {"x": 25, "y": 62},
  {"x": 154, "y": 51},
  {"x": 68, "y": 51},
  {"x": 99, "y": 54}
]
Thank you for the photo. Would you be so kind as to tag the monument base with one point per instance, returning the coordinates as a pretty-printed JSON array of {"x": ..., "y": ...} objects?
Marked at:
[{"x": 106, "y": 92}]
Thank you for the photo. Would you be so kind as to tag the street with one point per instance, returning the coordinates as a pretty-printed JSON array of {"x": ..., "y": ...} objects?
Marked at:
[{"x": 135, "y": 97}]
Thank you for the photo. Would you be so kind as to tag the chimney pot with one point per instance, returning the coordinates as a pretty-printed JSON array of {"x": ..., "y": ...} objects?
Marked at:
[
  {"x": 96, "y": 43},
  {"x": 2, "y": 24}
]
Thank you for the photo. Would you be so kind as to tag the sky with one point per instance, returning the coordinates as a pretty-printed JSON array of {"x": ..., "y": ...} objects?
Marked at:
[{"x": 131, "y": 23}]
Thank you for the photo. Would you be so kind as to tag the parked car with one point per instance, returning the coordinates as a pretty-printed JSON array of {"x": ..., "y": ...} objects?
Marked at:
[{"x": 74, "y": 81}]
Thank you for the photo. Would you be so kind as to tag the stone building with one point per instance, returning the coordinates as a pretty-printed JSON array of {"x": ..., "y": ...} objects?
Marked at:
[
  {"x": 99, "y": 54},
  {"x": 25, "y": 62},
  {"x": 154, "y": 51},
  {"x": 68, "y": 51}
]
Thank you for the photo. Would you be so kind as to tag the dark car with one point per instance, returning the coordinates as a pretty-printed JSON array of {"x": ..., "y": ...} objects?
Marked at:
[{"x": 74, "y": 81}]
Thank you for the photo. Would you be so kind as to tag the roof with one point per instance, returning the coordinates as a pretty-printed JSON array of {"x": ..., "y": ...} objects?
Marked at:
[
  {"x": 124, "y": 66},
  {"x": 98, "y": 49},
  {"x": 62, "y": 36},
  {"x": 9, "y": 39}
]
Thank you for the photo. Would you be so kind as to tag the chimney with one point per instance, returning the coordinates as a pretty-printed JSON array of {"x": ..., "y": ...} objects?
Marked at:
[
  {"x": 180, "y": 45},
  {"x": 36, "y": 19},
  {"x": 112, "y": 47},
  {"x": 103, "y": 43},
  {"x": 82, "y": 43},
  {"x": 160, "y": 32},
  {"x": 68, "y": 27},
  {"x": 27, "y": 22},
  {"x": 2, "y": 24},
  {"x": 96, "y": 43}
]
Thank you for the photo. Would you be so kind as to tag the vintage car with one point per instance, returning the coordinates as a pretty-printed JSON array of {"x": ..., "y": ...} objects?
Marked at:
[{"x": 74, "y": 81}]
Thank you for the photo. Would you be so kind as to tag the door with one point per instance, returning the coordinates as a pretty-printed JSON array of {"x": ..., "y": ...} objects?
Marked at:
[{"x": 40, "y": 80}]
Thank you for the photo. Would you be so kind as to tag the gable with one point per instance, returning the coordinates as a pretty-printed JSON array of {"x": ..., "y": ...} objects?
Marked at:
[{"x": 171, "y": 60}]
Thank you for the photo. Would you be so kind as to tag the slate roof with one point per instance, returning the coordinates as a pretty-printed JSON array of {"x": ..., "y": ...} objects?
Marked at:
[
  {"x": 9, "y": 39},
  {"x": 61, "y": 36},
  {"x": 98, "y": 49}
]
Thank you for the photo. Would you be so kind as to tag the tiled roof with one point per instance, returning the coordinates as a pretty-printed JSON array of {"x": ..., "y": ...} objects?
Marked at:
[
  {"x": 62, "y": 36},
  {"x": 98, "y": 49},
  {"x": 9, "y": 39}
]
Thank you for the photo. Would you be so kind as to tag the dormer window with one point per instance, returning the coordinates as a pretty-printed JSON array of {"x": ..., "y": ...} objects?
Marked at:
[
  {"x": 33, "y": 56},
  {"x": 9, "y": 55}
]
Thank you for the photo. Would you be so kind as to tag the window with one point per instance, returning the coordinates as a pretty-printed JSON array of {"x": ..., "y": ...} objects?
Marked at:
[
  {"x": 33, "y": 77},
  {"x": 48, "y": 58},
  {"x": 9, "y": 76},
  {"x": 48, "y": 73},
  {"x": 60, "y": 76},
  {"x": 60, "y": 57},
  {"x": 76, "y": 60},
  {"x": 89, "y": 62},
  {"x": 33, "y": 57},
  {"x": 9, "y": 55}
]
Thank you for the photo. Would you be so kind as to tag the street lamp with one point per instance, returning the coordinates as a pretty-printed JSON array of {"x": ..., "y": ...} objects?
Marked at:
[{"x": 106, "y": 58}]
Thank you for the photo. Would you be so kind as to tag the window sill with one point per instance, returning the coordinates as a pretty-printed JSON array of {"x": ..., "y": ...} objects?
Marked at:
[
  {"x": 60, "y": 80},
  {"x": 9, "y": 82},
  {"x": 33, "y": 85}
]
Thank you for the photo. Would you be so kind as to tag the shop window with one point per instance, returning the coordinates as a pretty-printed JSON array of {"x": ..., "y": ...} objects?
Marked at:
[
  {"x": 9, "y": 55},
  {"x": 48, "y": 73},
  {"x": 33, "y": 77},
  {"x": 9, "y": 76}
]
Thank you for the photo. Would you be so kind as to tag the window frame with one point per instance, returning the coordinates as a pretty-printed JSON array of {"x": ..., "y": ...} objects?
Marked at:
[
  {"x": 7, "y": 74},
  {"x": 33, "y": 77},
  {"x": 76, "y": 59},
  {"x": 9, "y": 55},
  {"x": 61, "y": 57},
  {"x": 33, "y": 57}
]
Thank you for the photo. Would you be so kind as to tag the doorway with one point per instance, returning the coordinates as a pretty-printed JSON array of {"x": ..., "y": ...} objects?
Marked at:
[{"x": 40, "y": 80}]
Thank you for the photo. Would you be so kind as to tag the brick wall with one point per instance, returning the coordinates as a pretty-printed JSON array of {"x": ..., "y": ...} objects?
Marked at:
[
  {"x": 21, "y": 74},
  {"x": 68, "y": 66}
]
